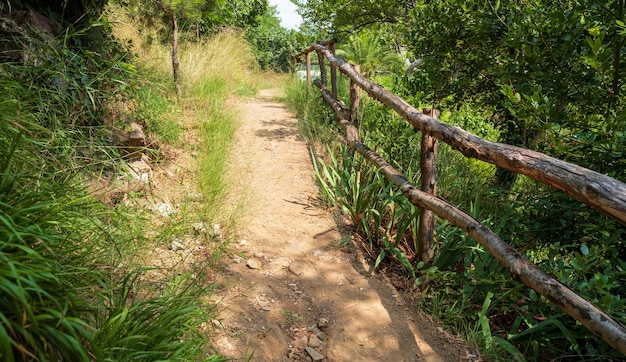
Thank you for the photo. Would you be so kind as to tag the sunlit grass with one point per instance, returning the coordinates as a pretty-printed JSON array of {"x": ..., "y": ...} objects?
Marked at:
[{"x": 72, "y": 280}]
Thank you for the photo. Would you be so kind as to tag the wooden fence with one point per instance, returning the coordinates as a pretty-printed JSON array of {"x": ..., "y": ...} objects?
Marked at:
[{"x": 597, "y": 190}]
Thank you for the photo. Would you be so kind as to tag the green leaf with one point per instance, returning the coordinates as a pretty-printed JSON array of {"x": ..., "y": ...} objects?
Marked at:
[
  {"x": 380, "y": 258},
  {"x": 484, "y": 322},
  {"x": 584, "y": 249},
  {"x": 510, "y": 348}
]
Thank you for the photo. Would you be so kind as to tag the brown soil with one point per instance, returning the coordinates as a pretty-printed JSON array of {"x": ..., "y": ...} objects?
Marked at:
[{"x": 294, "y": 283}]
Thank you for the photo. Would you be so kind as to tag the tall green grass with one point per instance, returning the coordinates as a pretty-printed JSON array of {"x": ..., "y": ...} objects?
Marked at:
[
  {"x": 213, "y": 72},
  {"x": 73, "y": 285}
]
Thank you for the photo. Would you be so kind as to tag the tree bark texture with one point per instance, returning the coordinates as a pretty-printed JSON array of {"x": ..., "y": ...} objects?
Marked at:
[
  {"x": 175, "y": 61},
  {"x": 355, "y": 100},
  {"x": 600, "y": 323},
  {"x": 593, "y": 188},
  {"x": 308, "y": 68},
  {"x": 322, "y": 65},
  {"x": 428, "y": 175},
  {"x": 333, "y": 72}
]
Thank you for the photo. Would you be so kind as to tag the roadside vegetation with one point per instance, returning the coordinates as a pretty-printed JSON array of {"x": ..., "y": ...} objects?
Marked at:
[
  {"x": 109, "y": 247},
  {"x": 489, "y": 81}
]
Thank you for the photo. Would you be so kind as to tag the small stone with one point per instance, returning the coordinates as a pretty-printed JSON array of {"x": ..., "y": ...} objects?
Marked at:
[
  {"x": 322, "y": 323},
  {"x": 243, "y": 242},
  {"x": 177, "y": 244},
  {"x": 216, "y": 231},
  {"x": 237, "y": 260},
  {"x": 314, "y": 341},
  {"x": 313, "y": 329},
  {"x": 199, "y": 228},
  {"x": 164, "y": 210},
  {"x": 299, "y": 267},
  {"x": 138, "y": 167},
  {"x": 315, "y": 355},
  {"x": 195, "y": 196},
  {"x": 254, "y": 263},
  {"x": 300, "y": 342},
  {"x": 266, "y": 309},
  {"x": 292, "y": 351}
]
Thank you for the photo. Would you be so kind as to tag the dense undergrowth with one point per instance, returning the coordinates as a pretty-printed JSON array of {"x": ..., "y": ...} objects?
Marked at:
[
  {"x": 75, "y": 284},
  {"x": 465, "y": 287}
]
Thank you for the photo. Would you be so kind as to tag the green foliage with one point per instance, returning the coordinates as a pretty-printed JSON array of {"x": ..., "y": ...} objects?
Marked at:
[
  {"x": 548, "y": 72},
  {"x": 272, "y": 44},
  {"x": 186, "y": 11},
  {"x": 68, "y": 284},
  {"x": 41, "y": 308},
  {"x": 162, "y": 327},
  {"x": 315, "y": 121},
  {"x": 216, "y": 69},
  {"x": 156, "y": 112},
  {"x": 466, "y": 287},
  {"x": 384, "y": 219},
  {"x": 65, "y": 11},
  {"x": 243, "y": 13},
  {"x": 548, "y": 77},
  {"x": 345, "y": 16},
  {"x": 368, "y": 50}
]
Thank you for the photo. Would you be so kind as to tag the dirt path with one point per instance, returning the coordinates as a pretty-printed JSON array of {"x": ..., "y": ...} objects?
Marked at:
[{"x": 288, "y": 292}]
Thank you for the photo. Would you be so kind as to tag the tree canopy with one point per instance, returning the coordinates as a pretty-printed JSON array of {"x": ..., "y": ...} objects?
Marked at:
[
  {"x": 551, "y": 73},
  {"x": 347, "y": 16}
]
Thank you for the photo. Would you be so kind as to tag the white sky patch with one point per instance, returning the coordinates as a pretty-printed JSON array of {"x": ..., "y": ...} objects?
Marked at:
[{"x": 289, "y": 18}]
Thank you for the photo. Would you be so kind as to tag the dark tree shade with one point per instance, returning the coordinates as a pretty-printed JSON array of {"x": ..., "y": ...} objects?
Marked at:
[{"x": 69, "y": 11}]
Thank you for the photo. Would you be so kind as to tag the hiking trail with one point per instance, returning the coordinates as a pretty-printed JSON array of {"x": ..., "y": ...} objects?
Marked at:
[{"x": 294, "y": 288}]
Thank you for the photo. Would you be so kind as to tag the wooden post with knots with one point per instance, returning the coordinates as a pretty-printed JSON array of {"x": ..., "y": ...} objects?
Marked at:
[{"x": 428, "y": 170}]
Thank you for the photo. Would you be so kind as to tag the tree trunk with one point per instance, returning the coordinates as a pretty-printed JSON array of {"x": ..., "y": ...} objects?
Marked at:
[{"x": 175, "y": 63}]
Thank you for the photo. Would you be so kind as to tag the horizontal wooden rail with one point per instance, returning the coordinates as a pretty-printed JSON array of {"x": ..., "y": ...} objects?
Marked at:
[
  {"x": 590, "y": 184},
  {"x": 324, "y": 44},
  {"x": 593, "y": 188}
]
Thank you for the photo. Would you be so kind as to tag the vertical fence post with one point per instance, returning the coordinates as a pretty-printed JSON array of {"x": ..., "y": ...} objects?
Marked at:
[
  {"x": 320, "y": 61},
  {"x": 333, "y": 72},
  {"x": 428, "y": 168},
  {"x": 308, "y": 68},
  {"x": 355, "y": 98}
]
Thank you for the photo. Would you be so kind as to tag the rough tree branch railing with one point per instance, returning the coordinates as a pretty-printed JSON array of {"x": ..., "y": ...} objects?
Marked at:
[
  {"x": 604, "y": 193},
  {"x": 593, "y": 188}
]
